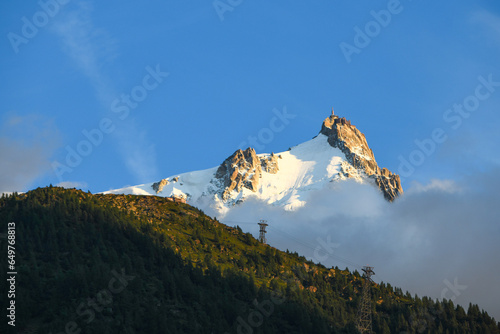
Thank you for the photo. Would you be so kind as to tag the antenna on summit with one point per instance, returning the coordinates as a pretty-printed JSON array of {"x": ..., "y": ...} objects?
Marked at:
[{"x": 333, "y": 113}]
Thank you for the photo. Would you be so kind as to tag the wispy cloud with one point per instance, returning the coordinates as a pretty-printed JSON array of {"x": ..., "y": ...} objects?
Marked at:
[
  {"x": 72, "y": 184},
  {"x": 447, "y": 186},
  {"x": 139, "y": 153},
  {"x": 92, "y": 49},
  {"x": 89, "y": 47},
  {"x": 488, "y": 20}
]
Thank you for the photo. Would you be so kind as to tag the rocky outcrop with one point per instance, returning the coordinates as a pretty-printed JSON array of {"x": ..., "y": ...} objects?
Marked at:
[
  {"x": 270, "y": 164},
  {"x": 346, "y": 137},
  {"x": 158, "y": 186},
  {"x": 389, "y": 183},
  {"x": 243, "y": 169},
  {"x": 240, "y": 170}
]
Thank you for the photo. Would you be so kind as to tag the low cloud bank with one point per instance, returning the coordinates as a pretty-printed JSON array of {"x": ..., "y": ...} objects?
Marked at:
[{"x": 440, "y": 239}]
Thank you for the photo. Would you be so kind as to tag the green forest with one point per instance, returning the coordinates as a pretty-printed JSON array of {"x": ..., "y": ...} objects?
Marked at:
[{"x": 142, "y": 264}]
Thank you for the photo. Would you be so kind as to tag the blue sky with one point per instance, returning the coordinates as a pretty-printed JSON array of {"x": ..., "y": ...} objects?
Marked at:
[
  {"x": 140, "y": 92},
  {"x": 229, "y": 65}
]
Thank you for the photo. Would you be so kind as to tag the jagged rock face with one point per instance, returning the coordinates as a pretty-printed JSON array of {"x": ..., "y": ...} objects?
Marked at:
[
  {"x": 242, "y": 169},
  {"x": 389, "y": 183},
  {"x": 346, "y": 137}
]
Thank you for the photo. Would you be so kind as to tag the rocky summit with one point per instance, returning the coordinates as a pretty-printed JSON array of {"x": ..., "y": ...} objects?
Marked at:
[
  {"x": 346, "y": 137},
  {"x": 289, "y": 179}
]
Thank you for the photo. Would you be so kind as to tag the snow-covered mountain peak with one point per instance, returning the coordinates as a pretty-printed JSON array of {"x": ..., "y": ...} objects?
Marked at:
[{"x": 286, "y": 179}]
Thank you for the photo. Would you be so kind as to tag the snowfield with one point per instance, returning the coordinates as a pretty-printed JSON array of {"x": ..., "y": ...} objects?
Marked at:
[{"x": 303, "y": 169}]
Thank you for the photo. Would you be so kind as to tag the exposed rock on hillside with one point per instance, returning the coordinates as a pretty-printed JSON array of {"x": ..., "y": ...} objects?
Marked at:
[
  {"x": 270, "y": 164},
  {"x": 158, "y": 186},
  {"x": 243, "y": 169}
]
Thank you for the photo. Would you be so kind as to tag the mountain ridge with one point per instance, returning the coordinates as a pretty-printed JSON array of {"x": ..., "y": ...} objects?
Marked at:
[{"x": 339, "y": 152}]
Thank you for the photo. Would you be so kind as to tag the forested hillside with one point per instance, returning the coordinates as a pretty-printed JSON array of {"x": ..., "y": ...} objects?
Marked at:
[{"x": 143, "y": 264}]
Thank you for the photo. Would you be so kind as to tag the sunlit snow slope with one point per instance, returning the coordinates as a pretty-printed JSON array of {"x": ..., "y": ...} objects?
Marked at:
[{"x": 304, "y": 168}]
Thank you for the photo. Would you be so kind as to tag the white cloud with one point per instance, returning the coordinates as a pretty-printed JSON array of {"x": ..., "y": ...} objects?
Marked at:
[
  {"x": 447, "y": 186},
  {"x": 435, "y": 232},
  {"x": 26, "y": 144}
]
